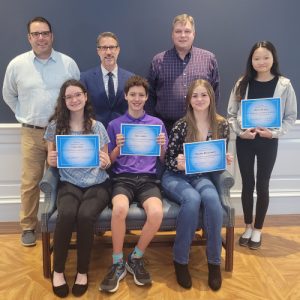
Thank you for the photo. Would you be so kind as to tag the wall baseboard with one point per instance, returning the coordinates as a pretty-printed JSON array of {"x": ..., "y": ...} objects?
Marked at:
[
  {"x": 10, "y": 227},
  {"x": 9, "y": 212}
]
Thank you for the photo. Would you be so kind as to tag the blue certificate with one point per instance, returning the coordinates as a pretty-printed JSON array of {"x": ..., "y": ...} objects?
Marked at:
[
  {"x": 140, "y": 139},
  {"x": 202, "y": 157},
  {"x": 264, "y": 112},
  {"x": 77, "y": 151}
]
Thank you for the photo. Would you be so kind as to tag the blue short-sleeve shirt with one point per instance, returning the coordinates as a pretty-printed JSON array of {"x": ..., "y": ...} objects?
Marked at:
[{"x": 82, "y": 177}]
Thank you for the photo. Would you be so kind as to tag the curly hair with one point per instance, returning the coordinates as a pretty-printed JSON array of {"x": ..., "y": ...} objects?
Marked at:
[
  {"x": 62, "y": 113},
  {"x": 136, "y": 80}
]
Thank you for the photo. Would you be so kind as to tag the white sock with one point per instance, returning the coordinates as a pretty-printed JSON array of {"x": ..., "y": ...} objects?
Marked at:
[
  {"x": 256, "y": 234},
  {"x": 248, "y": 233}
]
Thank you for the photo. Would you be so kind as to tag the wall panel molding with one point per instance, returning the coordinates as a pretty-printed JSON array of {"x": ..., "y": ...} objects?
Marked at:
[
  {"x": 284, "y": 185},
  {"x": 285, "y": 179}
]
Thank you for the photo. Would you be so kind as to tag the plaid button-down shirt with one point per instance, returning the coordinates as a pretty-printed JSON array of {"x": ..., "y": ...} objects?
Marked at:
[{"x": 170, "y": 77}]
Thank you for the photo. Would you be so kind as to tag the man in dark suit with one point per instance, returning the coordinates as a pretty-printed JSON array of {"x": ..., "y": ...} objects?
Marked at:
[{"x": 105, "y": 83}]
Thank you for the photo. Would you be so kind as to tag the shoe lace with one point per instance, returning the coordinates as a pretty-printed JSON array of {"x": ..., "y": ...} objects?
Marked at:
[
  {"x": 138, "y": 263},
  {"x": 115, "y": 269}
]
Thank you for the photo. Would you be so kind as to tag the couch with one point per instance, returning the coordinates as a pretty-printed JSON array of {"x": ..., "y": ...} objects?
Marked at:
[{"x": 136, "y": 216}]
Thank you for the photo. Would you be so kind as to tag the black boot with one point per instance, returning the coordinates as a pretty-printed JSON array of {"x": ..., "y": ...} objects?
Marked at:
[
  {"x": 183, "y": 275},
  {"x": 214, "y": 277}
]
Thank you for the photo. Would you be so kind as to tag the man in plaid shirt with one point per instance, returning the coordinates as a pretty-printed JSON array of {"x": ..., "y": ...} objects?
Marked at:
[{"x": 172, "y": 72}]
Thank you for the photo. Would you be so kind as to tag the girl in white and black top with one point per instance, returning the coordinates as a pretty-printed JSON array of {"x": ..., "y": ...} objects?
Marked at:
[{"x": 262, "y": 79}]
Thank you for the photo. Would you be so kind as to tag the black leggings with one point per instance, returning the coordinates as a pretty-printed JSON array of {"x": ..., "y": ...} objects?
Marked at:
[
  {"x": 81, "y": 207},
  {"x": 265, "y": 151}
]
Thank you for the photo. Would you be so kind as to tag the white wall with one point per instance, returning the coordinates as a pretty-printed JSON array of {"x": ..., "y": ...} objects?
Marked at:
[
  {"x": 285, "y": 181},
  {"x": 10, "y": 172}
]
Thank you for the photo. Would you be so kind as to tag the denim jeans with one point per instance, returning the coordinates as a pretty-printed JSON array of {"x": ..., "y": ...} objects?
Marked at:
[{"x": 196, "y": 194}]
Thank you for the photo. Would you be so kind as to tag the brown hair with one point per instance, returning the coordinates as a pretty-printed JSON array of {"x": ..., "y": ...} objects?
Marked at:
[
  {"x": 38, "y": 19},
  {"x": 192, "y": 130},
  {"x": 62, "y": 114},
  {"x": 136, "y": 81},
  {"x": 106, "y": 34}
]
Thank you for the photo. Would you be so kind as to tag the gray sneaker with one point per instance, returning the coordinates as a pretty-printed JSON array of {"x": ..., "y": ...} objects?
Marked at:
[
  {"x": 110, "y": 283},
  {"x": 28, "y": 238},
  {"x": 135, "y": 266}
]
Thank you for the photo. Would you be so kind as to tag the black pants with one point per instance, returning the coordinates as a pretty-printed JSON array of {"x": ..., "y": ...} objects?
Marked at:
[
  {"x": 265, "y": 151},
  {"x": 80, "y": 207}
]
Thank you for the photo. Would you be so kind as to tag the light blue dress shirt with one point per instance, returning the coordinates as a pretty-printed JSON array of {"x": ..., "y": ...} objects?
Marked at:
[{"x": 31, "y": 86}]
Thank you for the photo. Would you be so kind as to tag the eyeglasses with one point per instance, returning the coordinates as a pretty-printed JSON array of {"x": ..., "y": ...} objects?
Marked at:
[
  {"x": 105, "y": 48},
  {"x": 76, "y": 95},
  {"x": 42, "y": 33}
]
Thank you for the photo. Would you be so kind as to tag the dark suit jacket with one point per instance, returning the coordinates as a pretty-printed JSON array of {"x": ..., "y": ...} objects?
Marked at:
[{"x": 103, "y": 109}]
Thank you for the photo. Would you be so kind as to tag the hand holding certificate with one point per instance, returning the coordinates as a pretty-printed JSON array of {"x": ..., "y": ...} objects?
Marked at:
[
  {"x": 77, "y": 151},
  {"x": 261, "y": 113},
  {"x": 140, "y": 139},
  {"x": 202, "y": 157}
]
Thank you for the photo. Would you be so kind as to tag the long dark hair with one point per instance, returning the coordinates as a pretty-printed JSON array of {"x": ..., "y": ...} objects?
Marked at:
[
  {"x": 192, "y": 130},
  {"x": 62, "y": 114},
  {"x": 250, "y": 73}
]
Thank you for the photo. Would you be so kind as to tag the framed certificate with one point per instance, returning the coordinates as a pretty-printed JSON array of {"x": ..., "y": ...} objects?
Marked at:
[
  {"x": 265, "y": 112},
  {"x": 140, "y": 139},
  {"x": 203, "y": 157},
  {"x": 77, "y": 151}
]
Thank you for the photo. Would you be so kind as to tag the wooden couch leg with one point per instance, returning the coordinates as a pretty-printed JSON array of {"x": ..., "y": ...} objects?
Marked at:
[
  {"x": 229, "y": 248},
  {"x": 46, "y": 254}
]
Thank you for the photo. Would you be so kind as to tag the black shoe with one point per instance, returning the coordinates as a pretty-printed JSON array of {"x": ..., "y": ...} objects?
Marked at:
[
  {"x": 254, "y": 245},
  {"x": 183, "y": 275},
  {"x": 60, "y": 291},
  {"x": 79, "y": 289},
  {"x": 243, "y": 241},
  {"x": 214, "y": 277},
  {"x": 135, "y": 266}
]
